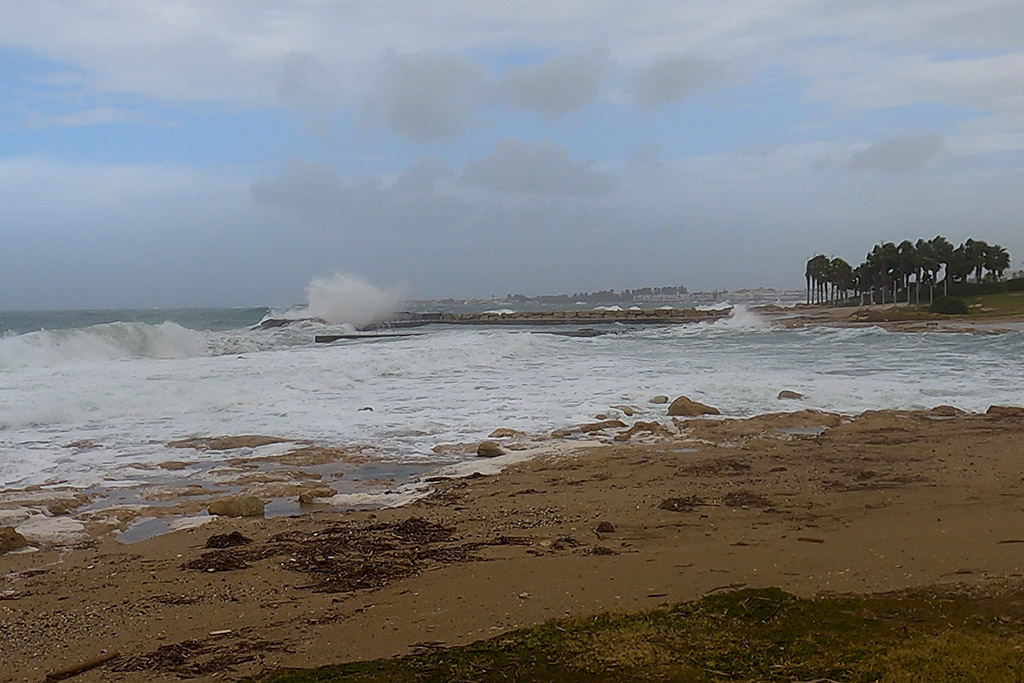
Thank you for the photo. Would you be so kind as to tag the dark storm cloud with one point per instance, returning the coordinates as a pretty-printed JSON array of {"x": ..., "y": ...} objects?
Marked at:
[
  {"x": 541, "y": 168},
  {"x": 557, "y": 86},
  {"x": 426, "y": 97},
  {"x": 675, "y": 78},
  {"x": 900, "y": 154},
  {"x": 306, "y": 85}
]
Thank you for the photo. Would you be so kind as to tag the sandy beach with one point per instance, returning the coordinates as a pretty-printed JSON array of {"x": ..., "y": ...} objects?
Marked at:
[{"x": 808, "y": 501}]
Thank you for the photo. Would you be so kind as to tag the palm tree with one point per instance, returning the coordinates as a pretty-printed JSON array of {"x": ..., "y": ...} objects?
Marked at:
[
  {"x": 928, "y": 262},
  {"x": 974, "y": 251},
  {"x": 943, "y": 249},
  {"x": 841, "y": 277},
  {"x": 909, "y": 264},
  {"x": 997, "y": 260},
  {"x": 961, "y": 263},
  {"x": 817, "y": 272}
]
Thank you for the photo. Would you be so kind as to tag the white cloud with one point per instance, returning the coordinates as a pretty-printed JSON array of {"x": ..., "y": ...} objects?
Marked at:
[
  {"x": 555, "y": 87},
  {"x": 541, "y": 168}
]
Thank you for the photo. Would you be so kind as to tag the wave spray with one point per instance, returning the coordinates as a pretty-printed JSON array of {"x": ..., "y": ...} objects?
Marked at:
[{"x": 348, "y": 299}]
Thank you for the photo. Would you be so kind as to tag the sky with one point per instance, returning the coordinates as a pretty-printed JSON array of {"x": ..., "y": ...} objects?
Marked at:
[{"x": 227, "y": 152}]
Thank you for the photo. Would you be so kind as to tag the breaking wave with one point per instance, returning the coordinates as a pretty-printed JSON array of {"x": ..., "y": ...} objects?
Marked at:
[{"x": 108, "y": 341}]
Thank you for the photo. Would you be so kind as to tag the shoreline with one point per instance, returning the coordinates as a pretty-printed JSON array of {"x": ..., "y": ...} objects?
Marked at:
[{"x": 807, "y": 501}]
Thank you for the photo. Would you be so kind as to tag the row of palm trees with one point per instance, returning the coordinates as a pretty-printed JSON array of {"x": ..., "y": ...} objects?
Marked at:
[{"x": 890, "y": 268}]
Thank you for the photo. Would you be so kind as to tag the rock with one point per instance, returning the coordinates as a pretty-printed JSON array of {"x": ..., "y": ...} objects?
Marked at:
[
  {"x": 11, "y": 539},
  {"x": 605, "y": 528},
  {"x": 685, "y": 407},
  {"x": 237, "y": 506},
  {"x": 489, "y": 449},
  {"x": 659, "y": 399},
  {"x": 604, "y": 424},
  {"x": 626, "y": 410},
  {"x": 272, "y": 323},
  {"x": 1005, "y": 411},
  {"x": 173, "y": 465},
  {"x": 505, "y": 432},
  {"x": 653, "y": 428},
  {"x": 601, "y": 416},
  {"x": 309, "y": 496},
  {"x": 40, "y": 530},
  {"x": 787, "y": 394},
  {"x": 946, "y": 411},
  {"x": 63, "y": 506},
  {"x": 226, "y": 443}
]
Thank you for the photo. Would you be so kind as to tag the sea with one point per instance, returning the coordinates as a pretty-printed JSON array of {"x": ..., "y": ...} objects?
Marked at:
[{"x": 91, "y": 398}]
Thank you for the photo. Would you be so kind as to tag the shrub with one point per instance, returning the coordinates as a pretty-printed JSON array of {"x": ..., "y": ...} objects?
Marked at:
[
  {"x": 949, "y": 305},
  {"x": 977, "y": 288},
  {"x": 1015, "y": 285}
]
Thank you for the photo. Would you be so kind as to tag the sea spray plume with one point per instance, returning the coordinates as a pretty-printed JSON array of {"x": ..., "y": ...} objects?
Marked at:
[
  {"x": 348, "y": 299},
  {"x": 743, "y": 318}
]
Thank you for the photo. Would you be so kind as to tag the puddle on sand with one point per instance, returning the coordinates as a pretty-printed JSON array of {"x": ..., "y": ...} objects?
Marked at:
[
  {"x": 374, "y": 478},
  {"x": 144, "y": 528}
]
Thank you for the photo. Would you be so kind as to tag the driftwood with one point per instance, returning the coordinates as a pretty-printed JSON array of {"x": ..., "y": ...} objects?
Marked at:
[{"x": 81, "y": 667}]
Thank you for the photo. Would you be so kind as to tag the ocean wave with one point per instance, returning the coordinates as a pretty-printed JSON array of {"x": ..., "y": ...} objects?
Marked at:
[{"x": 108, "y": 341}]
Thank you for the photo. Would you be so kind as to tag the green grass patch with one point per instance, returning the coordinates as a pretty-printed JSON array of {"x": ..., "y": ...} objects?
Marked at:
[
  {"x": 749, "y": 635},
  {"x": 1004, "y": 304},
  {"x": 996, "y": 305}
]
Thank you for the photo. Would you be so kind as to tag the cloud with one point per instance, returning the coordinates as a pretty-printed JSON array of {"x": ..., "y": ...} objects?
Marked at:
[
  {"x": 557, "y": 86},
  {"x": 676, "y": 78},
  {"x": 423, "y": 176},
  {"x": 308, "y": 86},
  {"x": 541, "y": 168},
  {"x": 311, "y": 190},
  {"x": 426, "y": 97},
  {"x": 367, "y": 205},
  {"x": 899, "y": 154}
]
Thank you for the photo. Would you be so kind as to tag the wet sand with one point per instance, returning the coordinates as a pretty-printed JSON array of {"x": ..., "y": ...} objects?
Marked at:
[{"x": 808, "y": 501}]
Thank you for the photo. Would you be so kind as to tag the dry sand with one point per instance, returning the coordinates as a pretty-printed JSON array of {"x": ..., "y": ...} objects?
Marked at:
[{"x": 808, "y": 501}]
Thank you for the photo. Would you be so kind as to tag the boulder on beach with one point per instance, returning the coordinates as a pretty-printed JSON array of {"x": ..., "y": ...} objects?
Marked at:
[
  {"x": 654, "y": 428},
  {"x": 309, "y": 496},
  {"x": 1005, "y": 411},
  {"x": 11, "y": 539},
  {"x": 237, "y": 506},
  {"x": 506, "y": 432},
  {"x": 489, "y": 449},
  {"x": 603, "y": 424},
  {"x": 659, "y": 399},
  {"x": 625, "y": 410},
  {"x": 685, "y": 407},
  {"x": 791, "y": 395},
  {"x": 946, "y": 411}
]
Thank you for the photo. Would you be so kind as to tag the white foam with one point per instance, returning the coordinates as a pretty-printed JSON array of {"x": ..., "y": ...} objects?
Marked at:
[{"x": 455, "y": 385}]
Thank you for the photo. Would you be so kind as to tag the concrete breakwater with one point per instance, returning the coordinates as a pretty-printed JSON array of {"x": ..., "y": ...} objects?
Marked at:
[{"x": 664, "y": 316}]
